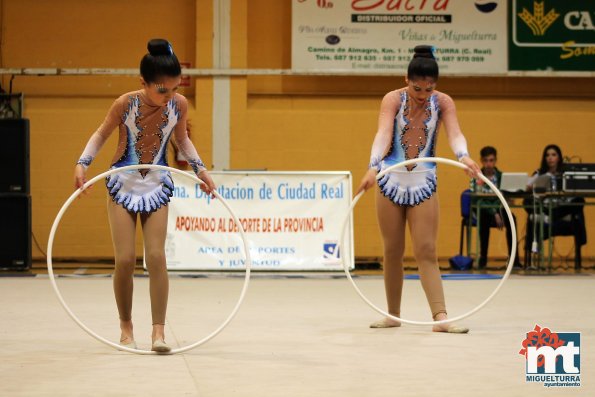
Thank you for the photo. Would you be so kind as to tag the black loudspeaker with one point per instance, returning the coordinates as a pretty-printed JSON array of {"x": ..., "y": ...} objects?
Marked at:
[
  {"x": 15, "y": 231},
  {"x": 14, "y": 156}
]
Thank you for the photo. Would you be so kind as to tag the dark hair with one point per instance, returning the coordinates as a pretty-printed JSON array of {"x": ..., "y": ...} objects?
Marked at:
[
  {"x": 487, "y": 151},
  {"x": 159, "y": 62},
  {"x": 543, "y": 168},
  {"x": 423, "y": 63}
]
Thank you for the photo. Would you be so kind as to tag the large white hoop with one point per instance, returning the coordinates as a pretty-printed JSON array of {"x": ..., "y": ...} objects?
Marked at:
[
  {"x": 91, "y": 332},
  {"x": 482, "y": 304}
]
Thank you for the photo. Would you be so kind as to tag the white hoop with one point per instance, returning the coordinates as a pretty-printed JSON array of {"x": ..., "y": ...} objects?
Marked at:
[
  {"x": 482, "y": 304},
  {"x": 87, "y": 329}
]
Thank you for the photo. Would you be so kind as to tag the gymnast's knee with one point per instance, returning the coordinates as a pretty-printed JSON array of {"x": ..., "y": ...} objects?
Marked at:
[
  {"x": 392, "y": 254},
  {"x": 155, "y": 260},
  {"x": 426, "y": 253},
  {"x": 126, "y": 263}
]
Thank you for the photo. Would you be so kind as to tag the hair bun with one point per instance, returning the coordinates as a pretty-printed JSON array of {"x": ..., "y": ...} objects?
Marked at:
[
  {"x": 423, "y": 51},
  {"x": 159, "y": 47}
]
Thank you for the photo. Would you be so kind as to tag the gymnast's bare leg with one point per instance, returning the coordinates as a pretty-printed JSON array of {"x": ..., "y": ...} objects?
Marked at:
[
  {"x": 123, "y": 225},
  {"x": 423, "y": 226},
  {"x": 391, "y": 219},
  {"x": 154, "y": 231}
]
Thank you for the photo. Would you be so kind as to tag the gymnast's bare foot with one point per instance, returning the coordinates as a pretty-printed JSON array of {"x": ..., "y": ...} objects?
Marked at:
[
  {"x": 158, "y": 337},
  {"x": 126, "y": 335},
  {"x": 449, "y": 328},
  {"x": 385, "y": 323}
]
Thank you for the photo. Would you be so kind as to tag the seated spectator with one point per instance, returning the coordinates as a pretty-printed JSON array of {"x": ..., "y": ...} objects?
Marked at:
[
  {"x": 492, "y": 216},
  {"x": 566, "y": 219},
  {"x": 552, "y": 164}
]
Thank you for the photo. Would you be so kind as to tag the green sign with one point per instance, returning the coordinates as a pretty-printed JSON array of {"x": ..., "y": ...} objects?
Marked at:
[{"x": 556, "y": 35}]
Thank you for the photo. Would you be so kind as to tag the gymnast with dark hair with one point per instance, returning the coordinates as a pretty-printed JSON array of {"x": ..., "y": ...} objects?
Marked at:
[
  {"x": 146, "y": 120},
  {"x": 407, "y": 128}
]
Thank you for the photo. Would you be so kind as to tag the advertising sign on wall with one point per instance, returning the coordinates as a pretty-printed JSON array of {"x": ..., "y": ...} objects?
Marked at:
[
  {"x": 292, "y": 222},
  {"x": 552, "y": 35},
  {"x": 470, "y": 37}
]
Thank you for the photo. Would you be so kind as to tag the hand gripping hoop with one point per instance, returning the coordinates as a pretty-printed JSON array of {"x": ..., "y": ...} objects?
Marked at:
[
  {"x": 87, "y": 329},
  {"x": 482, "y": 304}
]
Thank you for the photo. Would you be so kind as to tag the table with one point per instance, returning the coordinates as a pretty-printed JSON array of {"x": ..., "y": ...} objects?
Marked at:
[{"x": 544, "y": 203}]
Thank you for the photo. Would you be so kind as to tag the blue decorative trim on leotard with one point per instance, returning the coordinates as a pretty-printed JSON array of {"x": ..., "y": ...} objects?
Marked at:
[
  {"x": 131, "y": 154},
  {"x": 171, "y": 115},
  {"x": 142, "y": 190},
  {"x": 197, "y": 166},
  {"x": 148, "y": 193},
  {"x": 411, "y": 187},
  {"x": 85, "y": 161},
  {"x": 391, "y": 186}
]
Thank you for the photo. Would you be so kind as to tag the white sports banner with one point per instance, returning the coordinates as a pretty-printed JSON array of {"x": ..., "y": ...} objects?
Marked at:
[
  {"x": 470, "y": 36},
  {"x": 292, "y": 221}
]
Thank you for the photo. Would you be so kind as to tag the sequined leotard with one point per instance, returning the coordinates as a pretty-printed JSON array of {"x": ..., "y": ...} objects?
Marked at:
[
  {"x": 414, "y": 133},
  {"x": 144, "y": 132},
  {"x": 413, "y": 137}
]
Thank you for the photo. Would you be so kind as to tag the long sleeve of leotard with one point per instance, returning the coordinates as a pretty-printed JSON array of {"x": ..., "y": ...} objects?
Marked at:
[
  {"x": 384, "y": 135},
  {"x": 185, "y": 145},
  {"x": 455, "y": 136},
  {"x": 100, "y": 136}
]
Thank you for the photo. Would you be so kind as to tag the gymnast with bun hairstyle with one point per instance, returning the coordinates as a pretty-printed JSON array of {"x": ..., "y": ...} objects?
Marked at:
[
  {"x": 146, "y": 119},
  {"x": 408, "y": 128}
]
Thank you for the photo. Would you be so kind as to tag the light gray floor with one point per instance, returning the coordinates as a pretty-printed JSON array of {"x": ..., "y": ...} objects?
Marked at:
[{"x": 291, "y": 337}]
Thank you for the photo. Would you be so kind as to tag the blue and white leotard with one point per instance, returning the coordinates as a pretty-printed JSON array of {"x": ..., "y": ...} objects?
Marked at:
[
  {"x": 411, "y": 186},
  {"x": 411, "y": 138},
  {"x": 144, "y": 132},
  {"x": 142, "y": 191}
]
